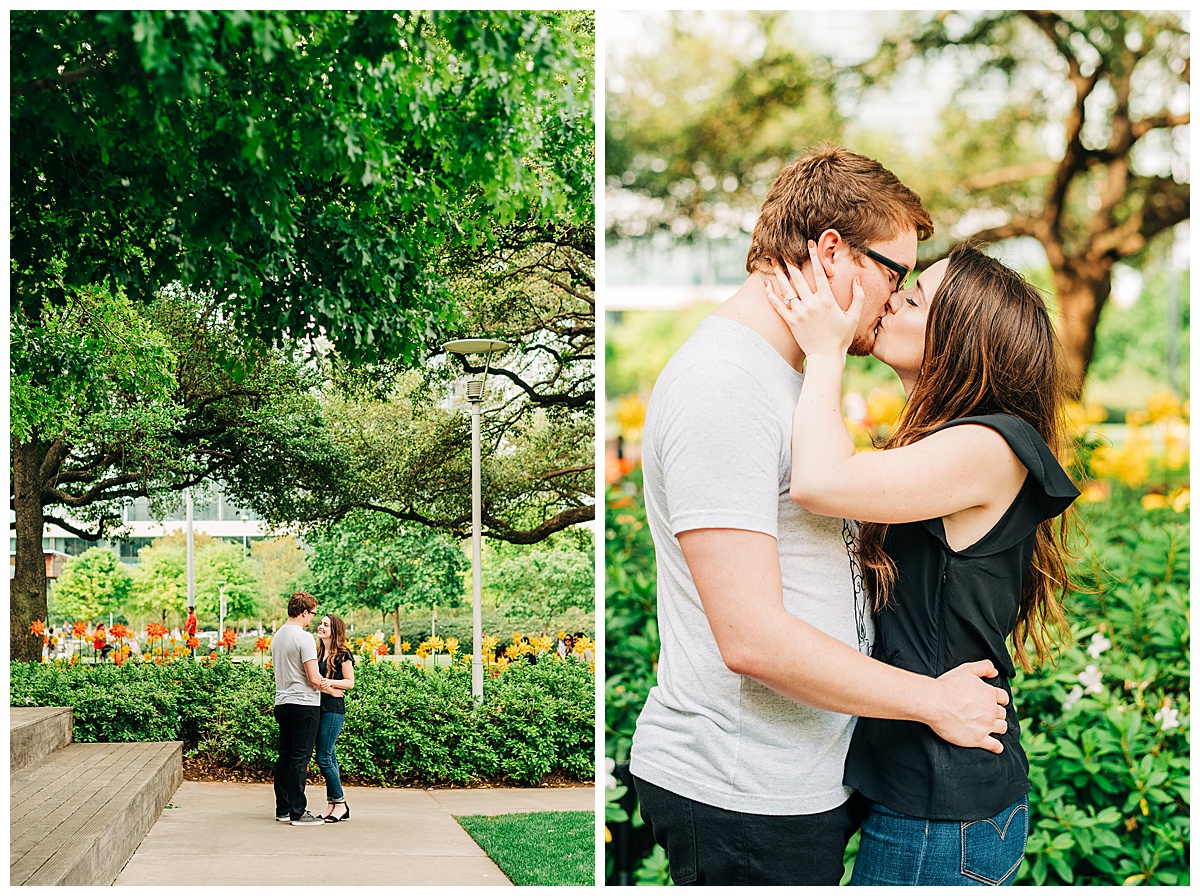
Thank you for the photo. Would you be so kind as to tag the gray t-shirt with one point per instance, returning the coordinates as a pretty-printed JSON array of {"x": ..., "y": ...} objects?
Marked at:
[
  {"x": 291, "y": 648},
  {"x": 717, "y": 454}
]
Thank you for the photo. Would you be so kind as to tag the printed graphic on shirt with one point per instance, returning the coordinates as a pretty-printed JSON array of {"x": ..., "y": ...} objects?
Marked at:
[{"x": 850, "y": 537}]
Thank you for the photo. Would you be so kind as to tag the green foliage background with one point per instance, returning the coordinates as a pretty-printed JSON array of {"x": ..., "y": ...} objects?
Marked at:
[{"x": 1110, "y": 801}]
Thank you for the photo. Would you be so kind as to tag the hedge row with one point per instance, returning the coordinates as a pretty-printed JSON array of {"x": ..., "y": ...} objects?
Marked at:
[{"x": 404, "y": 725}]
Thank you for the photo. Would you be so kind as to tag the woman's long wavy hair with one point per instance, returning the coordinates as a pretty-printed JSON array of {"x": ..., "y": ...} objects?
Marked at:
[
  {"x": 338, "y": 647},
  {"x": 990, "y": 348}
]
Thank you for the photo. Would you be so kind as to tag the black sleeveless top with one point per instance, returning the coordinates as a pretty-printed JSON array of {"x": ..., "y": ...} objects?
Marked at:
[
  {"x": 330, "y": 703},
  {"x": 951, "y": 607}
]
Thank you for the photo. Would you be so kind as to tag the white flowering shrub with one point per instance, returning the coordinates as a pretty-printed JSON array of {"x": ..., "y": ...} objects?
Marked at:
[{"x": 1108, "y": 730}]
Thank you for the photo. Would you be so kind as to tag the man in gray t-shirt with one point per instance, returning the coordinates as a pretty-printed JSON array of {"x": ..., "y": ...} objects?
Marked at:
[
  {"x": 298, "y": 687},
  {"x": 738, "y": 753}
]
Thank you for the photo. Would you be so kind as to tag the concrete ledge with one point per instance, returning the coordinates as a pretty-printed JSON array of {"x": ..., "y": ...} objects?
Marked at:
[
  {"x": 77, "y": 816},
  {"x": 37, "y": 731}
]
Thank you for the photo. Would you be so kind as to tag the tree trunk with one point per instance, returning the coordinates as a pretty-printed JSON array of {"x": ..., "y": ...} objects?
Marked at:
[
  {"x": 27, "y": 594},
  {"x": 1081, "y": 296},
  {"x": 396, "y": 631}
]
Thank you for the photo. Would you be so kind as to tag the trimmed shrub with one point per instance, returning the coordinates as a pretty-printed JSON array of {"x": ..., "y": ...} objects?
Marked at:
[{"x": 404, "y": 725}]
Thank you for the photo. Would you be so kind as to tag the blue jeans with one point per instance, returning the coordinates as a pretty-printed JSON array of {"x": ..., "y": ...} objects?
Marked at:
[
  {"x": 900, "y": 850},
  {"x": 327, "y": 733}
]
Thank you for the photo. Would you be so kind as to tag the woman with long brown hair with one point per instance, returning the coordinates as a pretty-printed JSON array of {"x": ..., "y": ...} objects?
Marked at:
[
  {"x": 961, "y": 553},
  {"x": 335, "y": 661}
]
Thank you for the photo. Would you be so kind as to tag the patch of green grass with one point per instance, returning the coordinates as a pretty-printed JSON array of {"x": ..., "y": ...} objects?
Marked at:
[{"x": 541, "y": 849}]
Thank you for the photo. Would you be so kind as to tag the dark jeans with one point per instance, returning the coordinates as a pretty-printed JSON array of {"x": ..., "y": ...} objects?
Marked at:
[
  {"x": 899, "y": 850},
  {"x": 707, "y": 845},
  {"x": 327, "y": 733},
  {"x": 297, "y": 735}
]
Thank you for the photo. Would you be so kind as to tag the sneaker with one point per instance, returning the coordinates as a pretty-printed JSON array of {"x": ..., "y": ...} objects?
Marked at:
[
  {"x": 308, "y": 818},
  {"x": 285, "y": 817}
]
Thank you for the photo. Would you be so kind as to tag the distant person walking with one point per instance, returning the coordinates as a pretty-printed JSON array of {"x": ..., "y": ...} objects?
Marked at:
[
  {"x": 189, "y": 628},
  {"x": 298, "y": 687},
  {"x": 100, "y": 642},
  {"x": 335, "y": 660}
]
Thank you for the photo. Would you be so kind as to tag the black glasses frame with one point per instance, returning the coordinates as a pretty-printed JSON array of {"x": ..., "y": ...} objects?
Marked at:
[{"x": 905, "y": 273}]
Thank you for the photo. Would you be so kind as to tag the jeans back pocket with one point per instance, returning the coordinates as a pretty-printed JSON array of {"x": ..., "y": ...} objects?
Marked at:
[{"x": 992, "y": 848}]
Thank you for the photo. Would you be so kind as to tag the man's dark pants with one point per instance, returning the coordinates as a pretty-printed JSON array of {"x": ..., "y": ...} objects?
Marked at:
[
  {"x": 707, "y": 845},
  {"x": 297, "y": 737}
]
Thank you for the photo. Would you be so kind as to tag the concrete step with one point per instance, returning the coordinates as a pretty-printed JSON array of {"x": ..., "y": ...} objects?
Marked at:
[
  {"x": 78, "y": 814},
  {"x": 37, "y": 731}
]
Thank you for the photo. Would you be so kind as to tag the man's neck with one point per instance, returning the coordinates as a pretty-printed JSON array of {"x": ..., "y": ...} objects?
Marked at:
[
  {"x": 295, "y": 621},
  {"x": 750, "y": 307}
]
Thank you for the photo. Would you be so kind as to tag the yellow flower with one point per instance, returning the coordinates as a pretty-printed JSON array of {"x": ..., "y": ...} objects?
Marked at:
[
  {"x": 405, "y": 647},
  {"x": 1154, "y": 502},
  {"x": 631, "y": 416},
  {"x": 1180, "y": 499},
  {"x": 451, "y": 646},
  {"x": 1163, "y": 405},
  {"x": 884, "y": 406}
]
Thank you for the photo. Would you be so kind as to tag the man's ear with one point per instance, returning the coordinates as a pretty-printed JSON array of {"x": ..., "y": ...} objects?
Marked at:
[{"x": 827, "y": 245}]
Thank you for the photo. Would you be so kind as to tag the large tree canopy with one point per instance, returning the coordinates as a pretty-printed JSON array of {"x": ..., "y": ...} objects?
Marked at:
[
  {"x": 298, "y": 175},
  {"x": 307, "y": 167},
  {"x": 112, "y": 401}
]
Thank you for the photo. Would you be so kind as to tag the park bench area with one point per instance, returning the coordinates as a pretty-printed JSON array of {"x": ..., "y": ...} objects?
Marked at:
[{"x": 77, "y": 812}]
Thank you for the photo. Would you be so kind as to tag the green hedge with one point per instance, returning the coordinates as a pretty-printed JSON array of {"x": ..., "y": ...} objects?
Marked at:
[{"x": 404, "y": 725}]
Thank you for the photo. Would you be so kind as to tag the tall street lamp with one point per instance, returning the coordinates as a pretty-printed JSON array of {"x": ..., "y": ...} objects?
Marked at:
[{"x": 487, "y": 348}]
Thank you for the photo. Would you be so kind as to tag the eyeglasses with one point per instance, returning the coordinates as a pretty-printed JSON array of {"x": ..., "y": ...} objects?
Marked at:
[{"x": 907, "y": 276}]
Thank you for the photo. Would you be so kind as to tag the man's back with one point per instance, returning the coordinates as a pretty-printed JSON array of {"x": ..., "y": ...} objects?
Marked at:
[{"x": 291, "y": 648}]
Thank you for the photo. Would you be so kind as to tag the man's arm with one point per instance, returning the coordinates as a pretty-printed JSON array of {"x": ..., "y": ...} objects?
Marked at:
[
  {"x": 314, "y": 675},
  {"x": 737, "y": 575}
]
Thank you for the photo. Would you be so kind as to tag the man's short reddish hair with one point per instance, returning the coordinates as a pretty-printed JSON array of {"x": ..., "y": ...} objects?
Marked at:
[
  {"x": 828, "y": 187},
  {"x": 301, "y": 602}
]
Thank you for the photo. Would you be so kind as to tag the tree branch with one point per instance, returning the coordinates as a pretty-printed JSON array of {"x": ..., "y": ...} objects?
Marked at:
[
  {"x": 79, "y": 74},
  {"x": 101, "y": 526}
]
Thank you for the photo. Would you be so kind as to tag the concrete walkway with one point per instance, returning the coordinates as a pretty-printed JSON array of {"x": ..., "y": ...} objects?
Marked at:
[{"x": 219, "y": 834}]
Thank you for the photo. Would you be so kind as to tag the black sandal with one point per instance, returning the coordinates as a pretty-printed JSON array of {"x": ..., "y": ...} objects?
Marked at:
[{"x": 332, "y": 819}]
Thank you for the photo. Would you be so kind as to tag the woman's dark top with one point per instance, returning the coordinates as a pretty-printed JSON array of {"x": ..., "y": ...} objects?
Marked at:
[
  {"x": 951, "y": 607},
  {"x": 329, "y": 703}
]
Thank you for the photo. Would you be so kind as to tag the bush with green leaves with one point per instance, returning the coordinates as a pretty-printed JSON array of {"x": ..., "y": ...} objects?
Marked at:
[
  {"x": 405, "y": 725},
  {"x": 1106, "y": 728}
]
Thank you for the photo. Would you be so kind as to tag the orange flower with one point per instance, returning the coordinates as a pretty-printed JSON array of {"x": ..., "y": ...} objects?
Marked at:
[
  {"x": 263, "y": 644},
  {"x": 228, "y": 639},
  {"x": 119, "y": 631},
  {"x": 118, "y": 657},
  {"x": 193, "y": 642},
  {"x": 213, "y": 655},
  {"x": 79, "y": 629},
  {"x": 38, "y": 627},
  {"x": 382, "y": 650},
  {"x": 154, "y": 631}
]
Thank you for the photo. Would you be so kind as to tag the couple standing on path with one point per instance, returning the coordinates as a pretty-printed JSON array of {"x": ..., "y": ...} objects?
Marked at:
[
  {"x": 783, "y": 618},
  {"x": 310, "y": 707}
]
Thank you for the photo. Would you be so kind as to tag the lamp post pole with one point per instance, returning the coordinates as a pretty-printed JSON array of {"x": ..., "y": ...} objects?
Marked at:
[
  {"x": 476, "y": 558},
  {"x": 485, "y": 347},
  {"x": 221, "y": 623}
]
